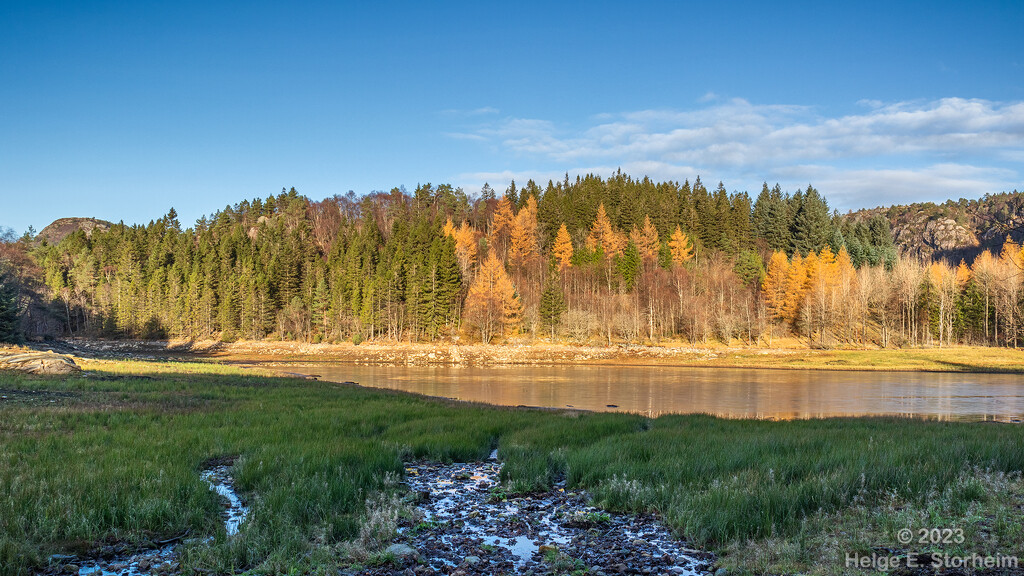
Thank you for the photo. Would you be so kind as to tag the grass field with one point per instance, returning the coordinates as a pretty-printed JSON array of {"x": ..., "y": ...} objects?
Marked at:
[{"x": 115, "y": 456}]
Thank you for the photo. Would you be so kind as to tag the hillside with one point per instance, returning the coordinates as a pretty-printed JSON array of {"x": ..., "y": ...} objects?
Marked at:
[
  {"x": 954, "y": 229},
  {"x": 62, "y": 227}
]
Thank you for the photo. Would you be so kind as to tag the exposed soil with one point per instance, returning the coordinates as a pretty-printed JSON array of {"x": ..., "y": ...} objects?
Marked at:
[{"x": 280, "y": 353}]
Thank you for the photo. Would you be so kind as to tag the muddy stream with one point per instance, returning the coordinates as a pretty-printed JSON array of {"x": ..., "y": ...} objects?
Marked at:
[{"x": 466, "y": 526}]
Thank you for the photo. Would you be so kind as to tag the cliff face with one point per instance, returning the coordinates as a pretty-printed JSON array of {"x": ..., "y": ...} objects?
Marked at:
[
  {"x": 62, "y": 227},
  {"x": 955, "y": 229}
]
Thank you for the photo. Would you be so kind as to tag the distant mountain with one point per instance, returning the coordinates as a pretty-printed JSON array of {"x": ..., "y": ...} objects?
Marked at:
[
  {"x": 62, "y": 227},
  {"x": 954, "y": 229}
]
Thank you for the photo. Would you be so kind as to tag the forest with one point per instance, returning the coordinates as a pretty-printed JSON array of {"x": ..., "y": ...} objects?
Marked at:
[{"x": 595, "y": 260}]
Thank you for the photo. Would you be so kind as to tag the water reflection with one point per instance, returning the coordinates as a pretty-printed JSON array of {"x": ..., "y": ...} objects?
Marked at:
[{"x": 734, "y": 393}]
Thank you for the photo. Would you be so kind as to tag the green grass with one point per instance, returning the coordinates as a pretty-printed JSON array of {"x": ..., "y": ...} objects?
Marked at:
[{"x": 116, "y": 456}]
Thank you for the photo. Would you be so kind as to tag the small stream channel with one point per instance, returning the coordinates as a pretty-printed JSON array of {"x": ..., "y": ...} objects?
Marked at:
[
  {"x": 162, "y": 560},
  {"x": 471, "y": 527}
]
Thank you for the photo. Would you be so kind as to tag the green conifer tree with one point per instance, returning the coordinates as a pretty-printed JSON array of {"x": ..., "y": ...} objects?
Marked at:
[{"x": 552, "y": 304}]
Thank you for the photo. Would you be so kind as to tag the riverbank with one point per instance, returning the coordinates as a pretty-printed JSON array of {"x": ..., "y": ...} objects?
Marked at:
[
  {"x": 789, "y": 354},
  {"x": 114, "y": 457}
]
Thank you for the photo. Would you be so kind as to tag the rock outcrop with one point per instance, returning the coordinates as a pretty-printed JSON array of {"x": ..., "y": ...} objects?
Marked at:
[
  {"x": 63, "y": 227},
  {"x": 924, "y": 237},
  {"x": 954, "y": 229},
  {"x": 38, "y": 362}
]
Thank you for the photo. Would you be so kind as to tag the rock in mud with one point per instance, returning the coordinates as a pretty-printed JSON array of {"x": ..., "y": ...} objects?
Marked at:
[
  {"x": 403, "y": 552},
  {"x": 470, "y": 525}
]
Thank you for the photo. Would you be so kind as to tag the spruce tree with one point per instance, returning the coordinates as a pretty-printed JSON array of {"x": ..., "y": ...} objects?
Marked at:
[
  {"x": 812, "y": 226},
  {"x": 10, "y": 329},
  {"x": 552, "y": 304},
  {"x": 629, "y": 265}
]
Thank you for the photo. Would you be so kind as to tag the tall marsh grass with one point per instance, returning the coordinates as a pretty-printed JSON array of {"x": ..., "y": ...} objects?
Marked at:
[{"x": 115, "y": 457}]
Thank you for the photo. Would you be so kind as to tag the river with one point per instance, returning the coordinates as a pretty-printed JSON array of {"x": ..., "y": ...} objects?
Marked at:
[{"x": 728, "y": 392}]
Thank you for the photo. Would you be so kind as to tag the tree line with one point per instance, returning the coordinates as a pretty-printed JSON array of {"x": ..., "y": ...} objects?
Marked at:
[{"x": 613, "y": 260}]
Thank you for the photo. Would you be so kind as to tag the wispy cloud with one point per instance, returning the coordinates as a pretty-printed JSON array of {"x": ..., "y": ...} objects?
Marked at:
[
  {"x": 483, "y": 111},
  {"x": 891, "y": 152}
]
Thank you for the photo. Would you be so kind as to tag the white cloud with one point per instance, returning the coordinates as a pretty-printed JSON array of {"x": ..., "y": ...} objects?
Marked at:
[
  {"x": 891, "y": 152},
  {"x": 482, "y": 111},
  {"x": 464, "y": 136}
]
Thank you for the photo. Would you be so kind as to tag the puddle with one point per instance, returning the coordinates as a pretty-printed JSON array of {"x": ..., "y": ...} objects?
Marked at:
[{"x": 468, "y": 525}]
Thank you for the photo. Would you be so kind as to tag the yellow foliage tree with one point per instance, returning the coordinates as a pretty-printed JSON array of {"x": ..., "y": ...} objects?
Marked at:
[
  {"x": 466, "y": 247},
  {"x": 501, "y": 226},
  {"x": 562, "y": 249},
  {"x": 943, "y": 282},
  {"x": 449, "y": 228},
  {"x": 774, "y": 286},
  {"x": 492, "y": 305},
  {"x": 646, "y": 240},
  {"x": 603, "y": 236},
  {"x": 503, "y": 217},
  {"x": 963, "y": 274},
  {"x": 796, "y": 288},
  {"x": 679, "y": 245},
  {"x": 524, "y": 234}
]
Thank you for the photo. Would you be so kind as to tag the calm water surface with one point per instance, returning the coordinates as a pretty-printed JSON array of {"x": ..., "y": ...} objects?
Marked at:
[{"x": 735, "y": 393}]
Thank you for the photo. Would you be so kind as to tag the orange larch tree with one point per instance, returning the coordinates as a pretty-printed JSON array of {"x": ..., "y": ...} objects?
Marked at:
[
  {"x": 466, "y": 247},
  {"x": 501, "y": 226},
  {"x": 796, "y": 287},
  {"x": 679, "y": 245},
  {"x": 603, "y": 236},
  {"x": 646, "y": 240},
  {"x": 562, "y": 248},
  {"x": 449, "y": 228},
  {"x": 523, "y": 248},
  {"x": 492, "y": 305},
  {"x": 774, "y": 286}
]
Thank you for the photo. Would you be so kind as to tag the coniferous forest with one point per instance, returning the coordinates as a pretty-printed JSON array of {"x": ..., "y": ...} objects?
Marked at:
[{"x": 617, "y": 260}]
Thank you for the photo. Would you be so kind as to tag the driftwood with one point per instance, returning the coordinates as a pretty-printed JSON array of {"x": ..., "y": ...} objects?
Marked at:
[{"x": 38, "y": 362}]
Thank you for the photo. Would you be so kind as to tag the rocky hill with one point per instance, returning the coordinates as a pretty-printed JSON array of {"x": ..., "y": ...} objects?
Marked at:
[
  {"x": 62, "y": 227},
  {"x": 954, "y": 229}
]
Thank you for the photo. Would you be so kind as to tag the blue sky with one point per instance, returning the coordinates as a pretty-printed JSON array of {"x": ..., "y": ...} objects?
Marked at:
[{"x": 120, "y": 110}]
